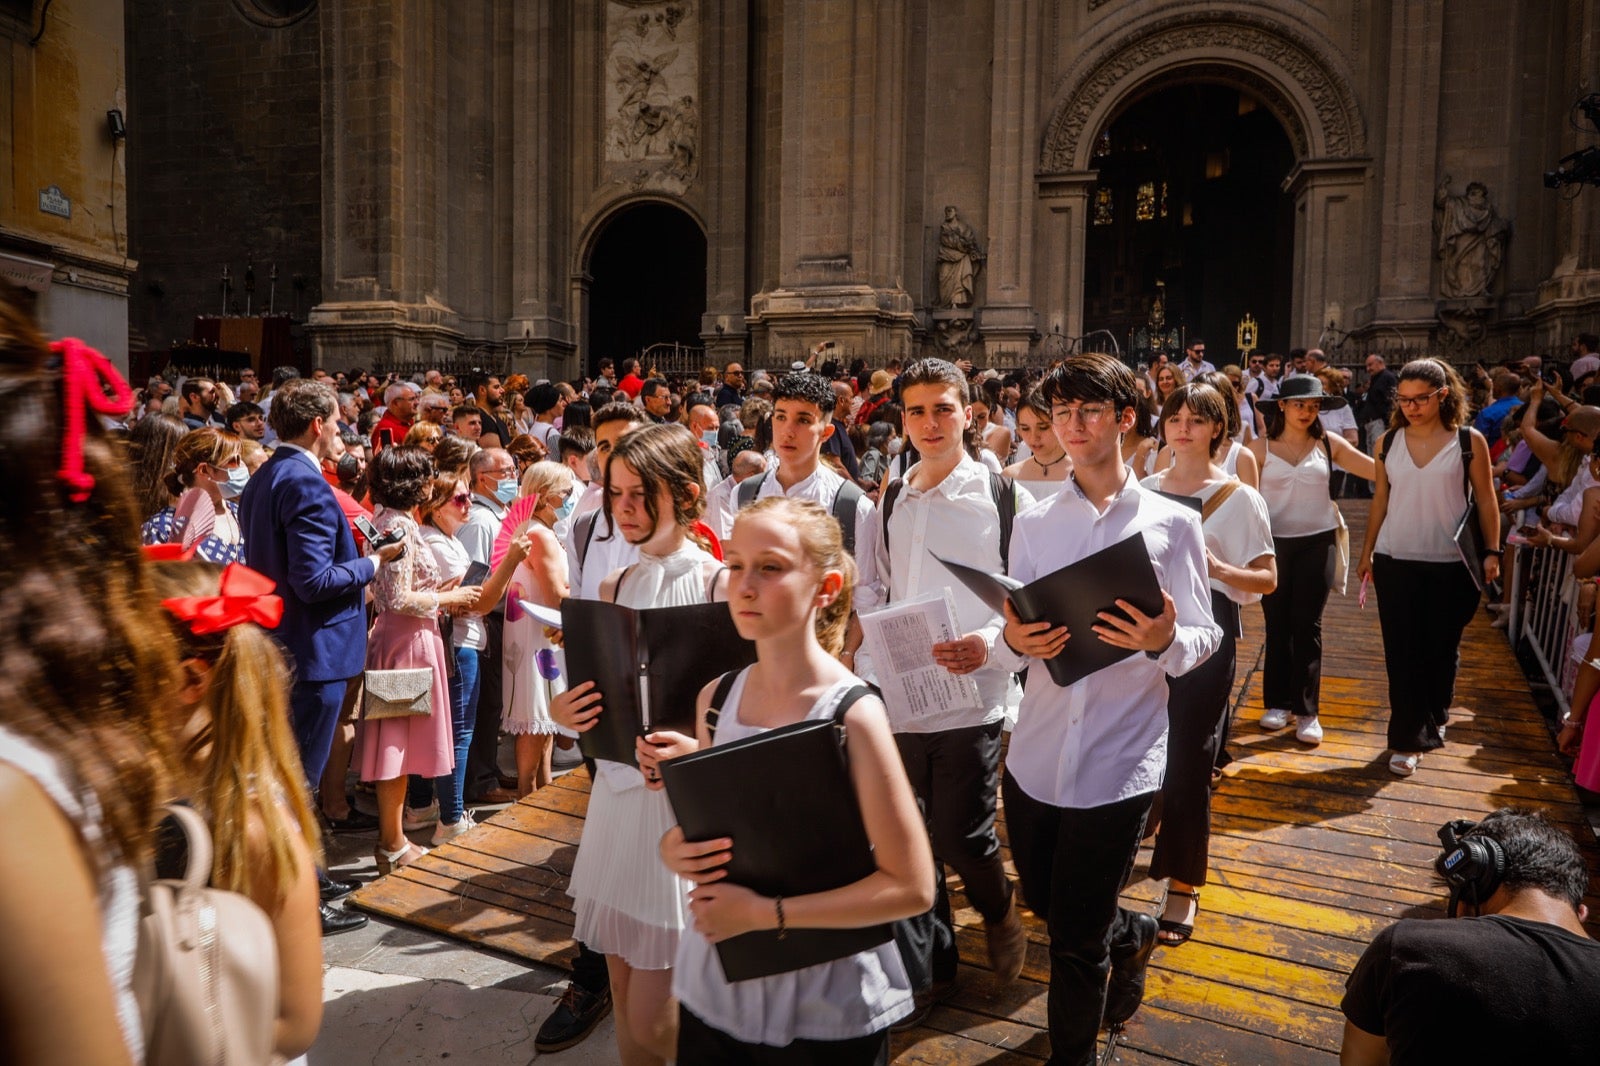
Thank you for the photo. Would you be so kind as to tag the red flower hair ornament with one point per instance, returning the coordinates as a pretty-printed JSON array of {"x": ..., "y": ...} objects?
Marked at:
[
  {"x": 244, "y": 596},
  {"x": 85, "y": 374}
]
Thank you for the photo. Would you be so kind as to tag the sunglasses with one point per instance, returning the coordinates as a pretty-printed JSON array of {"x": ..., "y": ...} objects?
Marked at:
[{"x": 462, "y": 499}]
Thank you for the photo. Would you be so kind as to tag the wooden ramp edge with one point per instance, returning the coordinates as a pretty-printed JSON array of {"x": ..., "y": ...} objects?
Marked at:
[{"x": 1313, "y": 852}]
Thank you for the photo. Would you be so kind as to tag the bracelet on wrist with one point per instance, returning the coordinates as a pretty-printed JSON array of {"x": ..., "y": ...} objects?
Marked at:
[{"x": 783, "y": 928}]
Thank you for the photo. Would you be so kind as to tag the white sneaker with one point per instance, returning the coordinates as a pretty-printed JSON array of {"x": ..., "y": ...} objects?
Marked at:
[
  {"x": 1404, "y": 765},
  {"x": 444, "y": 833},
  {"x": 1308, "y": 729},
  {"x": 420, "y": 817},
  {"x": 1275, "y": 718}
]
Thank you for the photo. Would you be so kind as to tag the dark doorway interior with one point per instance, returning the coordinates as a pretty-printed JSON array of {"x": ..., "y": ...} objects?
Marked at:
[
  {"x": 1190, "y": 204},
  {"x": 649, "y": 282}
]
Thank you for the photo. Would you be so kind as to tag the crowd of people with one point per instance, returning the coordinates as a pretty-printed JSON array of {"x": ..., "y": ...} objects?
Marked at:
[{"x": 237, "y": 585}]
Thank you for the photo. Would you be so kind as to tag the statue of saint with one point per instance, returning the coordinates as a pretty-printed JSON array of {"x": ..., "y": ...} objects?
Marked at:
[
  {"x": 1470, "y": 240},
  {"x": 960, "y": 259}
]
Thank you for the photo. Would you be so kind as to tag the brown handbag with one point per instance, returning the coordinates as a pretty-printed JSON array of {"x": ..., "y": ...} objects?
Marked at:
[{"x": 206, "y": 972}]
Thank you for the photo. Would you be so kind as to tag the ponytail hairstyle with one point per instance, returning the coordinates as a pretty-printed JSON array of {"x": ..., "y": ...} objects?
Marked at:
[
  {"x": 252, "y": 771},
  {"x": 215, "y": 447},
  {"x": 665, "y": 456},
  {"x": 1455, "y": 407},
  {"x": 822, "y": 542}
]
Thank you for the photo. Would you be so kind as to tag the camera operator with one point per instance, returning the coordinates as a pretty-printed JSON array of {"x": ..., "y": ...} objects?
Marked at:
[{"x": 1516, "y": 982}]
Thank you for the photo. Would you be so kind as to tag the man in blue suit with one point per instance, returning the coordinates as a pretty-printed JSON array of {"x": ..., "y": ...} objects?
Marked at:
[{"x": 299, "y": 538}]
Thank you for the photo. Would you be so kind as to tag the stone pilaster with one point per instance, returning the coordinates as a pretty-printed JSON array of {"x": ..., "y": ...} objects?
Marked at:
[
  {"x": 383, "y": 239},
  {"x": 1061, "y": 227},
  {"x": 726, "y": 96},
  {"x": 1007, "y": 320},
  {"x": 1328, "y": 203}
]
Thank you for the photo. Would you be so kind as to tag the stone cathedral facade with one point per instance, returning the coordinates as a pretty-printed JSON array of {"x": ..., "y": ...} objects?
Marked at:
[{"x": 559, "y": 180}]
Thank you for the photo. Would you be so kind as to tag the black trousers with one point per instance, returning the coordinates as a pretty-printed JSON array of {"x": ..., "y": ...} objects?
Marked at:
[
  {"x": 1293, "y": 615},
  {"x": 701, "y": 1045},
  {"x": 1197, "y": 727},
  {"x": 483, "y": 758},
  {"x": 1071, "y": 864},
  {"x": 956, "y": 776},
  {"x": 1423, "y": 609}
]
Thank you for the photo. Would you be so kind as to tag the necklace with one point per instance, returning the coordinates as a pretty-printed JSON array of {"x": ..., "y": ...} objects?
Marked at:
[{"x": 1045, "y": 467}]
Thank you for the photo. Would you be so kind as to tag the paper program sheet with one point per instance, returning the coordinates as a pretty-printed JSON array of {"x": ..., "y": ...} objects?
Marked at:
[{"x": 900, "y": 639}]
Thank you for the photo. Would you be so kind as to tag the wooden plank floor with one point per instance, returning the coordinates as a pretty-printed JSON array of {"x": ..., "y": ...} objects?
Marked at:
[{"x": 1313, "y": 852}]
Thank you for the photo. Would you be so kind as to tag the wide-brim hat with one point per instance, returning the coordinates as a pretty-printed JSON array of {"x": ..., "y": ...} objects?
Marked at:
[{"x": 1304, "y": 387}]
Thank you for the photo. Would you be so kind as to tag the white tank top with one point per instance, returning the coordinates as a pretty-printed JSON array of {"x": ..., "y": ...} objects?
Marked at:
[
  {"x": 839, "y": 1000},
  {"x": 1230, "y": 465},
  {"x": 1297, "y": 496},
  {"x": 1425, "y": 503}
]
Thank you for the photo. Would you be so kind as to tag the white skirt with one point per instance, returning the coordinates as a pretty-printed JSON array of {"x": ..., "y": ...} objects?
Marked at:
[{"x": 625, "y": 902}]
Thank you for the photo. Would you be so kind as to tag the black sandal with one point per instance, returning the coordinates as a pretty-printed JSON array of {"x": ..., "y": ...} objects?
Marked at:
[{"x": 1170, "y": 933}]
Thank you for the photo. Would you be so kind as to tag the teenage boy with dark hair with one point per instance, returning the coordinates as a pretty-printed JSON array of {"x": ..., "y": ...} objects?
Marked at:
[
  {"x": 1515, "y": 982},
  {"x": 950, "y": 505},
  {"x": 1086, "y": 760},
  {"x": 593, "y": 551}
]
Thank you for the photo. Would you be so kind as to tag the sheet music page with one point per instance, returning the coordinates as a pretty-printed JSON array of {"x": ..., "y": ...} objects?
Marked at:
[{"x": 900, "y": 638}]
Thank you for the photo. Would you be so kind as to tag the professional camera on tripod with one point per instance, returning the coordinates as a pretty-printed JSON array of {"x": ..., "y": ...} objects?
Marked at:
[{"x": 1583, "y": 166}]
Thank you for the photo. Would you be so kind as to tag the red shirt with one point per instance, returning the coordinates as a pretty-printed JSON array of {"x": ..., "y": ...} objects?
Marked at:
[
  {"x": 396, "y": 427},
  {"x": 631, "y": 385}
]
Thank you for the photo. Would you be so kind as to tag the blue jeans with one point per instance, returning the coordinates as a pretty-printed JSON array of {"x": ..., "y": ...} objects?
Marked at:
[{"x": 463, "y": 714}]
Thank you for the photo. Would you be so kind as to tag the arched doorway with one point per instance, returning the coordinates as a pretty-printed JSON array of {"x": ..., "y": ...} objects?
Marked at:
[
  {"x": 647, "y": 284},
  {"x": 1189, "y": 209}
]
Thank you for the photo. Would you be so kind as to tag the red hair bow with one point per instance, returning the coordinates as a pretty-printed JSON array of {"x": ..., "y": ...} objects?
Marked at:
[
  {"x": 244, "y": 596},
  {"x": 168, "y": 553},
  {"x": 85, "y": 373}
]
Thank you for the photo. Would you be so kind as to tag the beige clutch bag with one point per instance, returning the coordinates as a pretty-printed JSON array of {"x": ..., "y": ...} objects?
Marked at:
[{"x": 398, "y": 693}]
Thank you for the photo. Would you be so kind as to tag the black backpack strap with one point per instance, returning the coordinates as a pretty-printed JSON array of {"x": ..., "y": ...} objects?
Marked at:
[
  {"x": 1465, "y": 436},
  {"x": 886, "y": 508},
  {"x": 845, "y": 505},
  {"x": 718, "y": 697},
  {"x": 1388, "y": 442},
  {"x": 1004, "y": 491},
  {"x": 584, "y": 528},
  {"x": 749, "y": 489},
  {"x": 847, "y": 701},
  {"x": 1333, "y": 471}
]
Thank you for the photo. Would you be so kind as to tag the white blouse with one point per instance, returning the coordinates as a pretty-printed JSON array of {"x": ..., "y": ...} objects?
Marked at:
[
  {"x": 1297, "y": 494},
  {"x": 1425, "y": 503}
]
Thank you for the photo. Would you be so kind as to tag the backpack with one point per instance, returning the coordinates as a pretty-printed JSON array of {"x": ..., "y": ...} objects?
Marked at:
[
  {"x": 1001, "y": 489},
  {"x": 846, "y": 504},
  {"x": 725, "y": 688},
  {"x": 206, "y": 970}
]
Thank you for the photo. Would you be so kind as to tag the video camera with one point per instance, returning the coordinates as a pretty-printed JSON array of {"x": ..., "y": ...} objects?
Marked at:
[{"x": 1583, "y": 166}]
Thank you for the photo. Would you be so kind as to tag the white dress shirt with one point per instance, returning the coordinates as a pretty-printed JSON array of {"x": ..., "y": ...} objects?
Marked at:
[
  {"x": 607, "y": 552},
  {"x": 956, "y": 519},
  {"x": 1104, "y": 739},
  {"x": 1190, "y": 370},
  {"x": 821, "y": 488}
]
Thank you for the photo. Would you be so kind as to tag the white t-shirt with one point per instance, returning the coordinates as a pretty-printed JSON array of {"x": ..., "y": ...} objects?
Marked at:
[
  {"x": 1338, "y": 420},
  {"x": 1237, "y": 532}
]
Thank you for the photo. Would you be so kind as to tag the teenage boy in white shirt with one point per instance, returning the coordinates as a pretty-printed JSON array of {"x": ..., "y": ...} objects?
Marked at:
[
  {"x": 1086, "y": 761},
  {"x": 949, "y": 505}
]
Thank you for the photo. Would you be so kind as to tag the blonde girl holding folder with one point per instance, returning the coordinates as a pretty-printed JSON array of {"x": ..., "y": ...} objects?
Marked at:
[{"x": 789, "y": 589}]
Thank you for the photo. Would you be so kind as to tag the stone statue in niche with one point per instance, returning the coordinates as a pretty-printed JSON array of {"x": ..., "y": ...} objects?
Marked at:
[
  {"x": 1469, "y": 239},
  {"x": 960, "y": 259},
  {"x": 954, "y": 335}
]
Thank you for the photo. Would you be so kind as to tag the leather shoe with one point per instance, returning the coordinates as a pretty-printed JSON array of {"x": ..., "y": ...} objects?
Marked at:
[
  {"x": 332, "y": 890},
  {"x": 1129, "y": 964},
  {"x": 357, "y": 821},
  {"x": 494, "y": 796},
  {"x": 574, "y": 1018},
  {"x": 339, "y": 920},
  {"x": 1008, "y": 945}
]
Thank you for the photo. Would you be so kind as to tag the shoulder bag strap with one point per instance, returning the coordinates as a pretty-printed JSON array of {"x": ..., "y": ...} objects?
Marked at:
[
  {"x": 1327, "y": 448},
  {"x": 1218, "y": 498},
  {"x": 718, "y": 698},
  {"x": 750, "y": 488},
  {"x": 845, "y": 504},
  {"x": 1464, "y": 434},
  {"x": 617, "y": 591},
  {"x": 1388, "y": 442},
  {"x": 1004, "y": 491},
  {"x": 848, "y": 700}
]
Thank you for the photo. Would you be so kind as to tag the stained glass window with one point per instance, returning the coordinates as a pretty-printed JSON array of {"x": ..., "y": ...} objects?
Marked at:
[
  {"x": 1102, "y": 206},
  {"x": 1144, "y": 202},
  {"x": 1161, "y": 201},
  {"x": 1103, "y": 143}
]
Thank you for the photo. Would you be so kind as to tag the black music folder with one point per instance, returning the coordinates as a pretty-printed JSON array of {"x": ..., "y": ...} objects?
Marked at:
[
  {"x": 649, "y": 665},
  {"x": 785, "y": 799},
  {"x": 1073, "y": 596}
]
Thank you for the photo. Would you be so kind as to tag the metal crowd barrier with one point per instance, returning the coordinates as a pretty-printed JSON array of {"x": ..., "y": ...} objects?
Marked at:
[{"x": 1544, "y": 601}]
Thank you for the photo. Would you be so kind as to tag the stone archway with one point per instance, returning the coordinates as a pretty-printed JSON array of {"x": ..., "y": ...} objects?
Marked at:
[{"x": 1301, "y": 79}]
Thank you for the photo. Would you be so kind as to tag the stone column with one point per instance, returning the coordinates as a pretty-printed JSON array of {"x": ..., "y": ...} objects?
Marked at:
[
  {"x": 723, "y": 155},
  {"x": 1403, "y": 290},
  {"x": 1328, "y": 201},
  {"x": 1007, "y": 321},
  {"x": 382, "y": 206},
  {"x": 1061, "y": 227},
  {"x": 842, "y": 164}
]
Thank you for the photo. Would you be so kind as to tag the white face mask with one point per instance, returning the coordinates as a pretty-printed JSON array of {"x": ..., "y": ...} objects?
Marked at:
[{"x": 238, "y": 478}]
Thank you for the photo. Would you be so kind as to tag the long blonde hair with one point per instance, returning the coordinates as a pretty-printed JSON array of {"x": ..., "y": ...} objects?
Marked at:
[
  {"x": 822, "y": 542},
  {"x": 253, "y": 763}
]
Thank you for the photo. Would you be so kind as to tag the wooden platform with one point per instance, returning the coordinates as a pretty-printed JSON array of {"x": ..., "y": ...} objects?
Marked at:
[{"x": 1313, "y": 852}]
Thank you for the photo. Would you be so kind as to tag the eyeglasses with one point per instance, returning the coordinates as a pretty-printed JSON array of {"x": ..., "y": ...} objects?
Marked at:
[
  {"x": 462, "y": 499},
  {"x": 1085, "y": 414},
  {"x": 1418, "y": 401}
]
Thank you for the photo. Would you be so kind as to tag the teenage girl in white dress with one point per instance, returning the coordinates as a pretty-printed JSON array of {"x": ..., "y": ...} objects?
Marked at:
[
  {"x": 626, "y": 905},
  {"x": 789, "y": 589}
]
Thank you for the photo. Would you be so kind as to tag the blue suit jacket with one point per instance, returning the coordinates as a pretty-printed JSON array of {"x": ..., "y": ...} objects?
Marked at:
[{"x": 297, "y": 535}]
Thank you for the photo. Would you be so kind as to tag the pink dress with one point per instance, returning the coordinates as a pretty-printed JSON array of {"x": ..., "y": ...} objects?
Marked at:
[
  {"x": 1586, "y": 771},
  {"x": 406, "y": 637}
]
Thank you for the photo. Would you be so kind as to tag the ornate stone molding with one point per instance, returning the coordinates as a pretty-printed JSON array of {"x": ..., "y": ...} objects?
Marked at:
[{"x": 1288, "y": 70}]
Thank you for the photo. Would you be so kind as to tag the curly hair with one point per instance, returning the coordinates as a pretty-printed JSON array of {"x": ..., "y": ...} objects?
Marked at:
[
  {"x": 806, "y": 387},
  {"x": 400, "y": 478}
]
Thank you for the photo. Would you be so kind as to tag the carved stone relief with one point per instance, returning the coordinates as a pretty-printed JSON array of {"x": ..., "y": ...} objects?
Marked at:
[
  {"x": 652, "y": 74},
  {"x": 1148, "y": 44}
]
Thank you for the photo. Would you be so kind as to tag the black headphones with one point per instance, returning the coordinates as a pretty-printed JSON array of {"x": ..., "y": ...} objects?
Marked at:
[{"x": 1473, "y": 866}]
